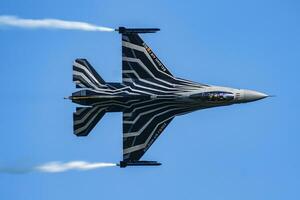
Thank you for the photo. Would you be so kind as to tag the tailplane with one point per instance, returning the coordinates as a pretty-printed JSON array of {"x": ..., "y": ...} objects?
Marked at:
[
  {"x": 86, "y": 118},
  {"x": 85, "y": 76}
]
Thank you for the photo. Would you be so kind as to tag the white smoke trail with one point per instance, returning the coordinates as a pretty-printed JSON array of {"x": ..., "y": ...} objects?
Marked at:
[
  {"x": 54, "y": 167},
  {"x": 50, "y": 23}
]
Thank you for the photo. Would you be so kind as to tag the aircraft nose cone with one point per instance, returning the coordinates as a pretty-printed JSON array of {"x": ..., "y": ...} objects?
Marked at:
[{"x": 250, "y": 95}]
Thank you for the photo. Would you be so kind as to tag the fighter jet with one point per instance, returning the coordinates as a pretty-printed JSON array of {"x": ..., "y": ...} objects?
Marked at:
[{"x": 149, "y": 97}]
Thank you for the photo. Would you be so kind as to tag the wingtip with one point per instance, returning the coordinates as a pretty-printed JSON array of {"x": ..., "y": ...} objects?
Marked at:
[{"x": 124, "y": 30}]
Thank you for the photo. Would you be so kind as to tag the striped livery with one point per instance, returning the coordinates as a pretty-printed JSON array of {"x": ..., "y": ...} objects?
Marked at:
[{"x": 149, "y": 97}]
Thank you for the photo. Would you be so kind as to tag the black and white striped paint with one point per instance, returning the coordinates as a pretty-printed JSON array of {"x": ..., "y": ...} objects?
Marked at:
[{"x": 149, "y": 97}]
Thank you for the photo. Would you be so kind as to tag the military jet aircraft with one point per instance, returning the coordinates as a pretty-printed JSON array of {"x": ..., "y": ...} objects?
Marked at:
[{"x": 149, "y": 97}]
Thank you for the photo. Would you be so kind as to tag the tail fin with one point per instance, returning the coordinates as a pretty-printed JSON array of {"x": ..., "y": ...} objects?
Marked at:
[
  {"x": 86, "y": 118},
  {"x": 85, "y": 76}
]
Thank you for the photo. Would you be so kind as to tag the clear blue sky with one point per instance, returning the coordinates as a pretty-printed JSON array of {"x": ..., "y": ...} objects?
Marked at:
[{"x": 247, "y": 152}]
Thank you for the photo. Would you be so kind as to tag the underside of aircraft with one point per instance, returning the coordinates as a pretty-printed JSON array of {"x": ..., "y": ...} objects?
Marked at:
[{"x": 149, "y": 97}]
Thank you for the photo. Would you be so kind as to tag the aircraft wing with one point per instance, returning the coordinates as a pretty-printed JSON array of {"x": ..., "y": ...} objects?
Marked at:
[
  {"x": 137, "y": 55},
  {"x": 143, "y": 123},
  {"x": 143, "y": 70},
  {"x": 144, "y": 73}
]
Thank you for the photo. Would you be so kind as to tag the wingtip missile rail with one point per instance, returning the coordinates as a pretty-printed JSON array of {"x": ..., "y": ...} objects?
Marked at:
[
  {"x": 124, "y": 164},
  {"x": 123, "y": 30}
]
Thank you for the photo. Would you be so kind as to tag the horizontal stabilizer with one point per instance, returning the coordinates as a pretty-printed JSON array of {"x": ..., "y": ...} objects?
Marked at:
[
  {"x": 85, "y": 76},
  {"x": 86, "y": 118}
]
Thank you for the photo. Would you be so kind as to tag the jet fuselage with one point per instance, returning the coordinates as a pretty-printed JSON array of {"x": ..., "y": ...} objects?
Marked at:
[{"x": 201, "y": 98}]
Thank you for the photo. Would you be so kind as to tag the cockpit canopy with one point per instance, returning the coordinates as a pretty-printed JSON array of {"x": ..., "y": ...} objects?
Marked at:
[{"x": 215, "y": 96}]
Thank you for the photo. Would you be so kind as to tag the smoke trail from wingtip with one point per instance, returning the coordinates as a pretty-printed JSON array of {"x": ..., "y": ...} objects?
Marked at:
[
  {"x": 55, "y": 167},
  {"x": 15, "y": 21}
]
